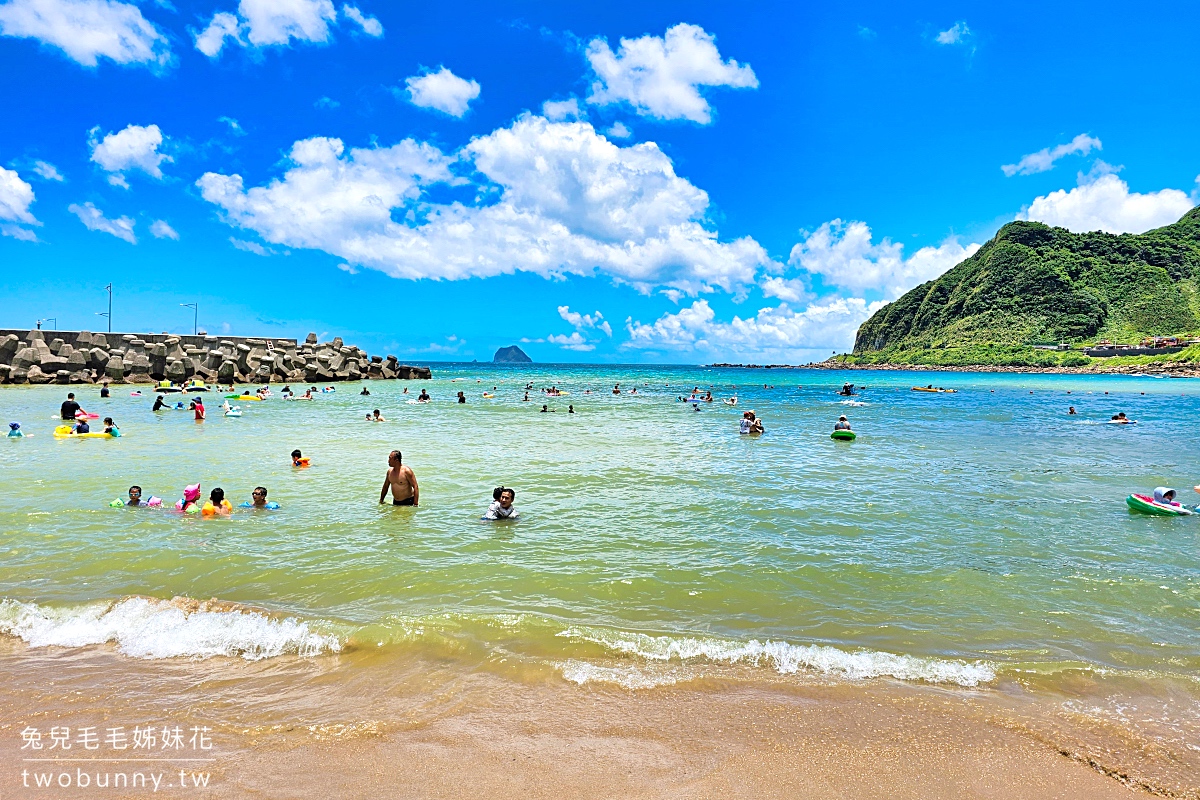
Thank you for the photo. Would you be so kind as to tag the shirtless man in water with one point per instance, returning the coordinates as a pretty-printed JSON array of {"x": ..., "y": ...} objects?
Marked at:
[{"x": 403, "y": 483}]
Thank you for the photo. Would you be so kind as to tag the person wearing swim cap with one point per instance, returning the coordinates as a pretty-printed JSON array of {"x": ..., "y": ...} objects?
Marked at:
[
  {"x": 258, "y": 499},
  {"x": 14, "y": 431},
  {"x": 189, "y": 503},
  {"x": 402, "y": 482},
  {"x": 502, "y": 504}
]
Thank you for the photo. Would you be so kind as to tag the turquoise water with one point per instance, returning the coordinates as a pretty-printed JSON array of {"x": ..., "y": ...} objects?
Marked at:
[{"x": 962, "y": 537}]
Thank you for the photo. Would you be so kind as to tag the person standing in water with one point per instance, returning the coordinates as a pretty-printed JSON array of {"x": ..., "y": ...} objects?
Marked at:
[{"x": 401, "y": 481}]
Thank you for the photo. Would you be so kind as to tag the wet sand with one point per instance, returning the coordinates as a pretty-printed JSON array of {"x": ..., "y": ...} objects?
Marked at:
[{"x": 388, "y": 726}]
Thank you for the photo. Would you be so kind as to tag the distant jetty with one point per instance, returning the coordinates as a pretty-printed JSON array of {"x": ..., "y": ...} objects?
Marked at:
[
  {"x": 39, "y": 356},
  {"x": 511, "y": 355}
]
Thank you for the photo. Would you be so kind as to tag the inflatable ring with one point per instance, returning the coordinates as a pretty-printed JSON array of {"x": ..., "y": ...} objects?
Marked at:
[
  {"x": 1147, "y": 505},
  {"x": 843, "y": 436}
]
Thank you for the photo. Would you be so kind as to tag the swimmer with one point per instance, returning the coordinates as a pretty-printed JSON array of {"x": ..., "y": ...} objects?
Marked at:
[
  {"x": 14, "y": 431},
  {"x": 617, "y": 389},
  {"x": 462, "y": 398},
  {"x": 1070, "y": 410},
  {"x": 135, "y": 499},
  {"x": 81, "y": 427},
  {"x": 378, "y": 417},
  {"x": 217, "y": 505},
  {"x": 570, "y": 409},
  {"x": 110, "y": 427},
  {"x": 197, "y": 405},
  {"x": 258, "y": 499},
  {"x": 368, "y": 417},
  {"x": 70, "y": 408},
  {"x": 299, "y": 460},
  {"x": 526, "y": 397},
  {"x": 401, "y": 481},
  {"x": 423, "y": 397},
  {"x": 104, "y": 391},
  {"x": 191, "y": 496},
  {"x": 502, "y": 504},
  {"x": 365, "y": 392},
  {"x": 745, "y": 424},
  {"x": 544, "y": 409},
  {"x": 842, "y": 424}
]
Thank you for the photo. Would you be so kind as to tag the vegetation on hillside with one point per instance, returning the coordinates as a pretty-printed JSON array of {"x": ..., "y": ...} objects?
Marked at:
[{"x": 1034, "y": 284}]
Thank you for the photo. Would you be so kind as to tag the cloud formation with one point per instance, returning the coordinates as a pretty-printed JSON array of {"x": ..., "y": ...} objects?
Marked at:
[
  {"x": 442, "y": 91},
  {"x": 88, "y": 30},
  {"x": 262, "y": 23},
  {"x": 777, "y": 331},
  {"x": 370, "y": 25},
  {"x": 661, "y": 77},
  {"x": 135, "y": 147},
  {"x": 48, "y": 171},
  {"x": 94, "y": 220},
  {"x": 552, "y": 199},
  {"x": 1043, "y": 160},
  {"x": 162, "y": 230},
  {"x": 958, "y": 33},
  {"x": 844, "y": 254},
  {"x": 1106, "y": 204},
  {"x": 582, "y": 321},
  {"x": 16, "y": 196}
]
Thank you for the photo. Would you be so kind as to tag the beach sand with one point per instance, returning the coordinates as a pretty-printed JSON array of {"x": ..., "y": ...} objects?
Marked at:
[{"x": 409, "y": 726}]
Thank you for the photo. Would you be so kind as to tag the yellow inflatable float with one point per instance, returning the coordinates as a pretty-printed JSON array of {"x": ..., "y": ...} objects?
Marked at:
[{"x": 64, "y": 432}]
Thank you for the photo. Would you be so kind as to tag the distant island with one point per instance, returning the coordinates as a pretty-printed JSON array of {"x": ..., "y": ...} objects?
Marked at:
[
  {"x": 511, "y": 355},
  {"x": 1045, "y": 298}
]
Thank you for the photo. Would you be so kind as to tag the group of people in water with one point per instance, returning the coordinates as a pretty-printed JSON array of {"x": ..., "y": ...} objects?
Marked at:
[{"x": 216, "y": 505}]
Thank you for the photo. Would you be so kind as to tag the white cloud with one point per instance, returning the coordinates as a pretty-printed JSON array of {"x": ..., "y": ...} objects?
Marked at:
[
  {"x": 222, "y": 26},
  {"x": 162, "y": 230},
  {"x": 16, "y": 196},
  {"x": 47, "y": 171},
  {"x": 87, "y": 30},
  {"x": 581, "y": 321},
  {"x": 618, "y": 130},
  {"x": 442, "y": 91},
  {"x": 572, "y": 342},
  {"x": 559, "y": 110},
  {"x": 260, "y": 23},
  {"x": 789, "y": 290},
  {"x": 1044, "y": 159},
  {"x": 957, "y": 34},
  {"x": 233, "y": 124},
  {"x": 555, "y": 198},
  {"x": 326, "y": 103},
  {"x": 661, "y": 76},
  {"x": 370, "y": 25},
  {"x": 94, "y": 220},
  {"x": 844, "y": 255},
  {"x": 777, "y": 331},
  {"x": 1106, "y": 204},
  {"x": 258, "y": 249},
  {"x": 136, "y": 147}
]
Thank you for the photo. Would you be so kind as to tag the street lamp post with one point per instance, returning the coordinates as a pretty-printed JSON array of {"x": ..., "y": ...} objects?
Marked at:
[
  {"x": 48, "y": 319},
  {"x": 195, "y": 317},
  {"x": 109, "y": 314}
]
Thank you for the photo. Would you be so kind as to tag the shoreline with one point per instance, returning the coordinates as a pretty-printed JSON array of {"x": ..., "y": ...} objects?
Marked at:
[
  {"x": 406, "y": 725},
  {"x": 1169, "y": 370}
]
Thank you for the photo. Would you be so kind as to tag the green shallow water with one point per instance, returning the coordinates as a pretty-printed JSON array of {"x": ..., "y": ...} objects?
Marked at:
[{"x": 971, "y": 533}]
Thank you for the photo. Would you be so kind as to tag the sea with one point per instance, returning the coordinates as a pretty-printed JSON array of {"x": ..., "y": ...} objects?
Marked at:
[{"x": 975, "y": 541}]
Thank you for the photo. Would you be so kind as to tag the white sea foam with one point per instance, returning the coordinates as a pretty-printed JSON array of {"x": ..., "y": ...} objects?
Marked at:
[
  {"x": 150, "y": 628},
  {"x": 582, "y": 672},
  {"x": 790, "y": 658},
  {"x": 855, "y": 403}
]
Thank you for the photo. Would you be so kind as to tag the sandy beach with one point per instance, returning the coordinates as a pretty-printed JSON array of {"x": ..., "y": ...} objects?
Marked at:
[{"x": 412, "y": 727}]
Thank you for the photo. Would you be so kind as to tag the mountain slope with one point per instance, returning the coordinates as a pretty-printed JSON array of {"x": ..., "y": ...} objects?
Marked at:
[{"x": 1033, "y": 283}]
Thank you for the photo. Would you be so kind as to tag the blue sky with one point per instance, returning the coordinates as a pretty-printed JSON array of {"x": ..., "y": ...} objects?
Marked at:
[{"x": 610, "y": 182}]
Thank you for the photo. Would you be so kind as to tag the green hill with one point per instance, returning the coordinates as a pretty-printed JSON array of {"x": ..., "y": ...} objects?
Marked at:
[{"x": 1034, "y": 284}]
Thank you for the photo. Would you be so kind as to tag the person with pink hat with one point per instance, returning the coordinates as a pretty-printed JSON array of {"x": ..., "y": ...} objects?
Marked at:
[{"x": 190, "y": 503}]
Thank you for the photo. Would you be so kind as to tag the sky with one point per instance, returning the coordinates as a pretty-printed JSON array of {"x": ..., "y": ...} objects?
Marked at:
[{"x": 619, "y": 182}]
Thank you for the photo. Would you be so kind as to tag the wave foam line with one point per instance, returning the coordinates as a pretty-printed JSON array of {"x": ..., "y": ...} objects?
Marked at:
[
  {"x": 151, "y": 628},
  {"x": 582, "y": 672},
  {"x": 790, "y": 658}
]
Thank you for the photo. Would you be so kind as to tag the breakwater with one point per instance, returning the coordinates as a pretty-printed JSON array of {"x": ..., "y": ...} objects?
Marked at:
[{"x": 38, "y": 356}]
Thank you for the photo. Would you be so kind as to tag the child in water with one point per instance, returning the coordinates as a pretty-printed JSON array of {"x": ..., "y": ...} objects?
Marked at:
[
  {"x": 298, "y": 460},
  {"x": 217, "y": 505},
  {"x": 110, "y": 427},
  {"x": 502, "y": 504},
  {"x": 14, "y": 431},
  {"x": 189, "y": 504}
]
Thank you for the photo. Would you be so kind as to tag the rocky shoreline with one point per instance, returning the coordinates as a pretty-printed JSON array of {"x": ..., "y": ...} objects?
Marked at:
[
  {"x": 85, "y": 357},
  {"x": 1169, "y": 369}
]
